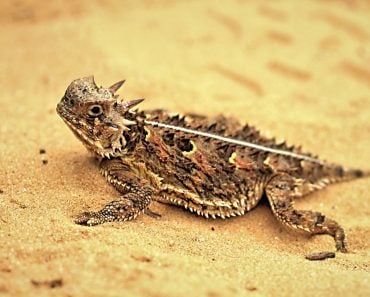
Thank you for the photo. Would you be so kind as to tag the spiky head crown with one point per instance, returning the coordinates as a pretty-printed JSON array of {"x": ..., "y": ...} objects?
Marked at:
[{"x": 96, "y": 116}]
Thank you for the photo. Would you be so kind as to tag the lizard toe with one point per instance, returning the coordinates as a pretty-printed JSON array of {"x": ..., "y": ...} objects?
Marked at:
[{"x": 88, "y": 219}]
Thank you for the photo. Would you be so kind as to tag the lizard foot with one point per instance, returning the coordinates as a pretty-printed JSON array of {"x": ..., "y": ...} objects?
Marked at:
[
  {"x": 90, "y": 218},
  {"x": 320, "y": 256},
  {"x": 126, "y": 208},
  {"x": 280, "y": 191}
]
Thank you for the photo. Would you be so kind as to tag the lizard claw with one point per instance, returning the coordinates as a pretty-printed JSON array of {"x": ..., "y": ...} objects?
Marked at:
[
  {"x": 153, "y": 214},
  {"x": 340, "y": 241}
]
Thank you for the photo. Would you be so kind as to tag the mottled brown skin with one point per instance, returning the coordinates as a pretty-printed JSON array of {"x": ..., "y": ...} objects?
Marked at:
[{"x": 210, "y": 177}]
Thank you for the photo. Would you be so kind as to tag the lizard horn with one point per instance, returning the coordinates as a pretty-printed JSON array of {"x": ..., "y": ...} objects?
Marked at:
[
  {"x": 132, "y": 103},
  {"x": 114, "y": 88}
]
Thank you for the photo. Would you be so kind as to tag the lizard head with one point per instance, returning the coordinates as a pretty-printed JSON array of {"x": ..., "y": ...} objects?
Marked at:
[{"x": 96, "y": 116}]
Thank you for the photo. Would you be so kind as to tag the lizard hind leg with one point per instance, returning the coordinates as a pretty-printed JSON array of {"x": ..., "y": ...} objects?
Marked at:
[{"x": 280, "y": 191}]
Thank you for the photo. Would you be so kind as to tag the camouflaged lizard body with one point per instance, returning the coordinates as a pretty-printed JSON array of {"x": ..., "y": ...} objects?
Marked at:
[{"x": 213, "y": 177}]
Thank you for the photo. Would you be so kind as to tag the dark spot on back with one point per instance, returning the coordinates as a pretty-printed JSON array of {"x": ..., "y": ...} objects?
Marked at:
[
  {"x": 320, "y": 219},
  {"x": 339, "y": 171},
  {"x": 169, "y": 139},
  {"x": 184, "y": 145},
  {"x": 358, "y": 173}
]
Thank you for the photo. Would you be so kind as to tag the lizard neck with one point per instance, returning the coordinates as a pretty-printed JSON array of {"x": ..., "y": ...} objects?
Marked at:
[{"x": 136, "y": 133}]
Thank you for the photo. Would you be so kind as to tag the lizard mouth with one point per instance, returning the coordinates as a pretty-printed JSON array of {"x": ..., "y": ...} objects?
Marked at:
[{"x": 85, "y": 133}]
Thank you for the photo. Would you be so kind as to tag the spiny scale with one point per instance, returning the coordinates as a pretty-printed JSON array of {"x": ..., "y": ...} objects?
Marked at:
[
  {"x": 214, "y": 168},
  {"x": 235, "y": 141}
]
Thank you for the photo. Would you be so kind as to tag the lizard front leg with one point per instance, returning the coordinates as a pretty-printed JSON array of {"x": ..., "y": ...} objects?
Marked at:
[
  {"x": 136, "y": 195},
  {"x": 280, "y": 191}
]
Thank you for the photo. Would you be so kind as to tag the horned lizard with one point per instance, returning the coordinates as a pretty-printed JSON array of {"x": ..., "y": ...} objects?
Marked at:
[{"x": 215, "y": 168}]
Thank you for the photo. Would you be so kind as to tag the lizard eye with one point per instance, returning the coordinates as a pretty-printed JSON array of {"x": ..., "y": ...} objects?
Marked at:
[{"x": 95, "y": 110}]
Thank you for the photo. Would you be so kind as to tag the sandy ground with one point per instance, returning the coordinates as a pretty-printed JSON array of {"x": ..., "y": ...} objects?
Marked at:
[{"x": 296, "y": 69}]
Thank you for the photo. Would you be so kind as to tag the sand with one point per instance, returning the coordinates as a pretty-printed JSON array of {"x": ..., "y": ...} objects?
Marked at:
[{"x": 295, "y": 69}]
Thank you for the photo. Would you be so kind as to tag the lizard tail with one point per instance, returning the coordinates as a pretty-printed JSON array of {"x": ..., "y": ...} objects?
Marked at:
[{"x": 336, "y": 173}]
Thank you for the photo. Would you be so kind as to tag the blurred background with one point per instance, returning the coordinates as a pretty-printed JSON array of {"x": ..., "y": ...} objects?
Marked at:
[
  {"x": 235, "y": 55},
  {"x": 295, "y": 69},
  {"x": 252, "y": 59}
]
